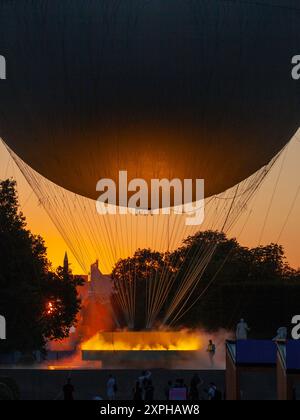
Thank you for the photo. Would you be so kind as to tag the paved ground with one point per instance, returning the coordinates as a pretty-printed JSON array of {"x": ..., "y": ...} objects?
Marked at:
[{"x": 47, "y": 385}]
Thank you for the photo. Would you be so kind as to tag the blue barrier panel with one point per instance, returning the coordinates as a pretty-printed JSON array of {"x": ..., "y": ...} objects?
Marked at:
[
  {"x": 9, "y": 358},
  {"x": 58, "y": 355},
  {"x": 256, "y": 352},
  {"x": 293, "y": 355}
]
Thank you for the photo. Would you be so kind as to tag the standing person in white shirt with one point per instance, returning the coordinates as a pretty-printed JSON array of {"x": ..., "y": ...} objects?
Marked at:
[{"x": 242, "y": 330}]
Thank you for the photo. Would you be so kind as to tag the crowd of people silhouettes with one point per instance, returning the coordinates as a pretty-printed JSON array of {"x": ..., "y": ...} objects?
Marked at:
[{"x": 144, "y": 389}]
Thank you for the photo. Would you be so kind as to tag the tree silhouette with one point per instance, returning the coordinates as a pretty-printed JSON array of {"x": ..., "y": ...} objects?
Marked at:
[
  {"x": 38, "y": 304},
  {"x": 254, "y": 283}
]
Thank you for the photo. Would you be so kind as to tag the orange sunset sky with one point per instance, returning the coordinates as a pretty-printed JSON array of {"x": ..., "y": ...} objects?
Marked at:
[{"x": 276, "y": 206}]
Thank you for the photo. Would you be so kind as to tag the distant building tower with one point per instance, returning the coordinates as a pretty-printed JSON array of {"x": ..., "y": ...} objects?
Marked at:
[
  {"x": 66, "y": 263},
  {"x": 100, "y": 286}
]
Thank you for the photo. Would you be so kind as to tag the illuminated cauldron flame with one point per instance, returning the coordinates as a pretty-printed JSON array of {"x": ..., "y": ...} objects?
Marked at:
[{"x": 144, "y": 341}]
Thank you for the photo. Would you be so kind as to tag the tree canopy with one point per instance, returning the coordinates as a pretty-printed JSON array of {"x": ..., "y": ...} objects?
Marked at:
[
  {"x": 39, "y": 304},
  {"x": 254, "y": 283}
]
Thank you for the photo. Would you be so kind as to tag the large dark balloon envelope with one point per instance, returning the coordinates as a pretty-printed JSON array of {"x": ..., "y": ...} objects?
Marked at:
[{"x": 161, "y": 88}]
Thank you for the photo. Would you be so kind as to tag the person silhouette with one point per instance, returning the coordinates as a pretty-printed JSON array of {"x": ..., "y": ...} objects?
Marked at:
[
  {"x": 211, "y": 350},
  {"x": 111, "y": 388},
  {"x": 68, "y": 391}
]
